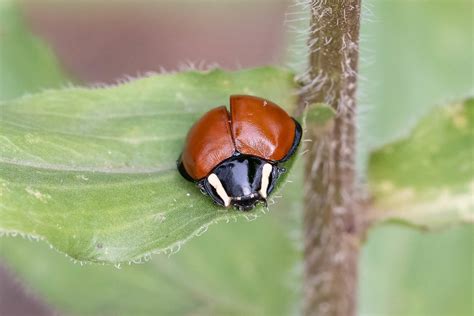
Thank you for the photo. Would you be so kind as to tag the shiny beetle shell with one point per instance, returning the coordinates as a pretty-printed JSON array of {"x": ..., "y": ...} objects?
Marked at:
[{"x": 236, "y": 157}]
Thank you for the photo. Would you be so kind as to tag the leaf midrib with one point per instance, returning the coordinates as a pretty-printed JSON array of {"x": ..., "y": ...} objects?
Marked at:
[{"x": 94, "y": 170}]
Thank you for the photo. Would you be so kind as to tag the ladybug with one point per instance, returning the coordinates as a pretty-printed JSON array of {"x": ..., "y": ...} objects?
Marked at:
[{"x": 236, "y": 157}]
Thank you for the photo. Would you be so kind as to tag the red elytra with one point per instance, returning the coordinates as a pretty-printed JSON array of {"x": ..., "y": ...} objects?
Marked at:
[{"x": 255, "y": 126}]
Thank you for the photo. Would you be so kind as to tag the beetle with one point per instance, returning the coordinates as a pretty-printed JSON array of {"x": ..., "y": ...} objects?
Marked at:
[{"x": 236, "y": 157}]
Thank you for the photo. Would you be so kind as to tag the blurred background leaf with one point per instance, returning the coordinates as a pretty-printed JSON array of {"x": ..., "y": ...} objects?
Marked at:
[
  {"x": 427, "y": 179},
  {"x": 408, "y": 272},
  {"x": 243, "y": 268},
  {"x": 416, "y": 55},
  {"x": 19, "y": 72},
  {"x": 403, "y": 272}
]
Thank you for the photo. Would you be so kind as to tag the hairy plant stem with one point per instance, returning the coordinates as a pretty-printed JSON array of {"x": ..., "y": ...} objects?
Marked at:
[{"x": 331, "y": 228}]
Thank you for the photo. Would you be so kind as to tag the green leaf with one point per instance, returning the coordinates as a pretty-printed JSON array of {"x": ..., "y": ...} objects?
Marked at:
[
  {"x": 409, "y": 74},
  {"x": 428, "y": 178},
  {"x": 92, "y": 171},
  {"x": 408, "y": 272},
  {"x": 26, "y": 64},
  {"x": 242, "y": 268},
  {"x": 211, "y": 276}
]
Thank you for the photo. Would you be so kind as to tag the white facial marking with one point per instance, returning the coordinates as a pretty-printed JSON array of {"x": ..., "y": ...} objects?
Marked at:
[
  {"x": 216, "y": 183},
  {"x": 266, "y": 172},
  {"x": 246, "y": 191}
]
